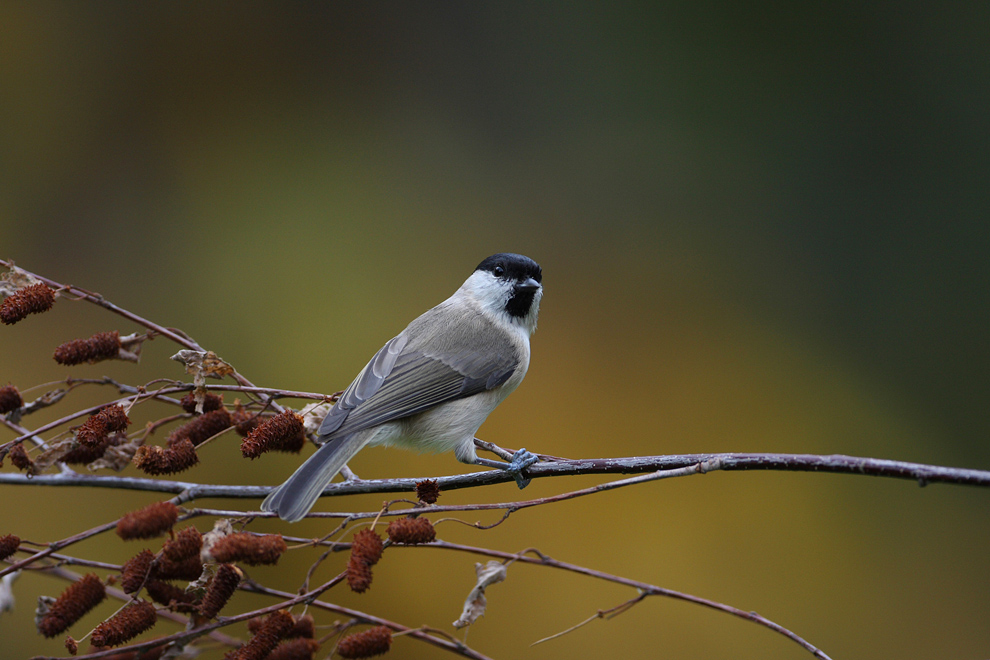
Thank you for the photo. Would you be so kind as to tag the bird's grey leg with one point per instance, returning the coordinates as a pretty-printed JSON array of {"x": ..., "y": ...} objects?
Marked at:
[{"x": 521, "y": 460}]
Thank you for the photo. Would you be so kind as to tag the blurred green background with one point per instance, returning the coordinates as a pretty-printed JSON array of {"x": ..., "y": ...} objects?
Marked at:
[{"x": 763, "y": 227}]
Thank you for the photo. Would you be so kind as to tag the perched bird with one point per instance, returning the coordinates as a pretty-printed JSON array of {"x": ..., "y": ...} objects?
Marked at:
[{"x": 431, "y": 387}]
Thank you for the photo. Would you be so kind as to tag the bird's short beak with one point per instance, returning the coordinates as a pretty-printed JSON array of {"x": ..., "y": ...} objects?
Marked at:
[{"x": 529, "y": 285}]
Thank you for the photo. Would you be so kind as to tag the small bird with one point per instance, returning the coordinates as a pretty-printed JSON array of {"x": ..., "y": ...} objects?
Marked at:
[{"x": 431, "y": 387}]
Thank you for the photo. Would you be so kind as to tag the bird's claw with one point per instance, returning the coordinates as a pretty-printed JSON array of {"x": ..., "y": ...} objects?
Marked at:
[{"x": 521, "y": 460}]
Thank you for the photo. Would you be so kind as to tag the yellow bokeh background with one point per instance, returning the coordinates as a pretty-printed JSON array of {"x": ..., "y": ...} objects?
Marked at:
[{"x": 762, "y": 228}]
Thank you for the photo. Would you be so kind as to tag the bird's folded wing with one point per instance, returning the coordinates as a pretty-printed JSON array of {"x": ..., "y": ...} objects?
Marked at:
[{"x": 399, "y": 382}]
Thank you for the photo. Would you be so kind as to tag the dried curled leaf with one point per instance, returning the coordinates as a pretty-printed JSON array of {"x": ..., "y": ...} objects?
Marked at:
[
  {"x": 14, "y": 280},
  {"x": 203, "y": 364},
  {"x": 474, "y": 606}
]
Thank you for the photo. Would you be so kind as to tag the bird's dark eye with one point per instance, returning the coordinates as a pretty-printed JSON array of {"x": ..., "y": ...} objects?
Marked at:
[{"x": 499, "y": 271}]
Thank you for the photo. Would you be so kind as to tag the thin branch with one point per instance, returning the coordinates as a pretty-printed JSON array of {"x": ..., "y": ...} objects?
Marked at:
[
  {"x": 835, "y": 464},
  {"x": 453, "y": 646},
  {"x": 600, "y": 614},
  {"x": 646, "y": 588}
]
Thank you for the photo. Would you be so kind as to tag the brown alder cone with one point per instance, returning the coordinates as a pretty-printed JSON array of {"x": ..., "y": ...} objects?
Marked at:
[
  {"x": 305, "y": 626},
  {"x": 101, "y": 346},
  {"x": 283, "y": 432},
  {"x": 83, "y": 455},
  {"x": 167, "y": 593},
  {"x": 367, "y": 546},
  {"x": 376, "y": 641},
  {"x": 95, "y": 431},
  {"x": 276, "y": 627},
  {"x": 201, "y": 428},
  {"x": 20, "y": 459},
  {"x": 78, "y": 599},
  {"x": 211, "y": 402},
  {"x": 411, "y": 531},
  {"x": 149, "y": 522},
  {"x": 428, "y": 491},
  {"x": 300, "y": 648},
  {"x": 33, "y": 299},
  {"x": 154, "y": 460},
  {"x": 221, "y": 588},
  {"x": 136, "y": 571},
  {"x": 358, "y": 575},
  {"x": 186, "y": 543},
  {"x": 9, "y": 545},
  {"x": 366, "y": 550},
  {"x": 10, "y": 399},
  {"x": 249, "y": 549},
  {"x": 125, "y": 624},
  {"x": 244, "y": 420},
  {"x": 188, "y": 569}
]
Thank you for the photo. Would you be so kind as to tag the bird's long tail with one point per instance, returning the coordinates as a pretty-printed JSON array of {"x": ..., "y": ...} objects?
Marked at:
[{"x": 293, "y": 499}]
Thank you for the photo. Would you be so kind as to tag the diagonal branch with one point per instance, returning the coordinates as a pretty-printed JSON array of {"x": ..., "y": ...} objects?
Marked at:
[{"x": 644, "y": 587}]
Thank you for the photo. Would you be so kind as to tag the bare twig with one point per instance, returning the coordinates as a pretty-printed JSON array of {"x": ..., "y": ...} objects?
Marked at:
[{"x": 646, "y": 588}]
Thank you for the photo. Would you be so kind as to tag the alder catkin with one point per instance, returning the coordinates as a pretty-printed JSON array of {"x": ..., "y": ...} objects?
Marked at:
[
  {"x": 20, "y": 459},
  {"x": 78, "y": 599},
  {"x": 125, "y": 624},
  {"x": 8, "y": 545},
  {"x": 295, "y": 649},
  {"x": 101, "y": 346},
  {"x": 10, "y": 399},
  {"x": 149, "y": 522},
  {"x": 201, "y": 428},
  {"x": 186, "y": 543},
  {"x": 33, "y": 299},
  {"x": 283, "y": 432},
  {"x": 411, "y": 531},
  {"x": 154, "y": 460},
  {"x": 221, "y": 588},
  {"x": 211, "y": 402},
  {"x": 249, "y": 548},
  {"x": 428, "y": 491},
  {"x": 275, "y": 628},
  {"x": 136, "y": 571},
  {"x": 376, "y": 641}
]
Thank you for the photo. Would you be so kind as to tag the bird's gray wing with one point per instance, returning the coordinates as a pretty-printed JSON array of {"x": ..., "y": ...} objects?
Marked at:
[{"x": 405, "y": 378}]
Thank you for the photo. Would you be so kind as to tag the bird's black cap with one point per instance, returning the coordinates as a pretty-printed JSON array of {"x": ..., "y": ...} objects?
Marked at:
[{"x": 512, "y": 267}]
